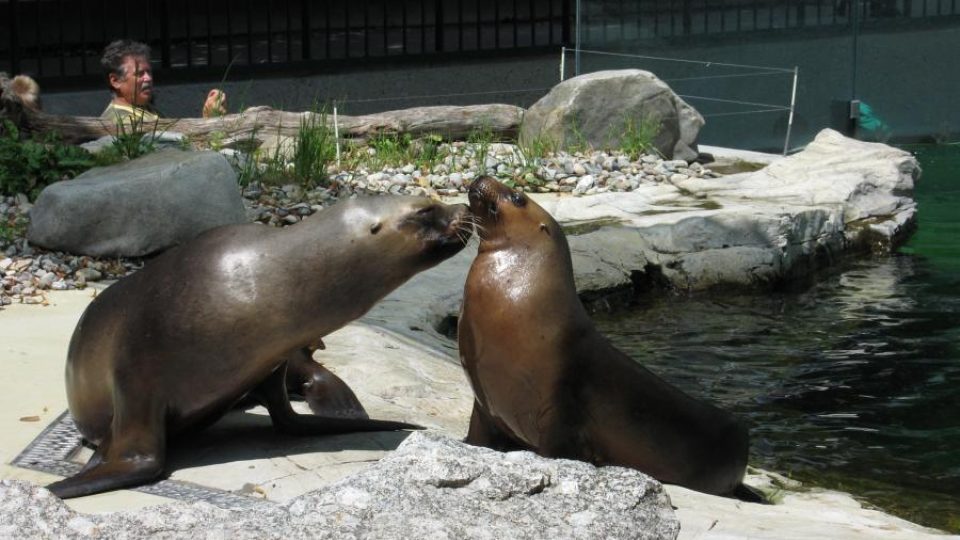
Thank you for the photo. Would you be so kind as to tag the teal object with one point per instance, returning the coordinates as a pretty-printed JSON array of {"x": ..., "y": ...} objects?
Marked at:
[{"x": 868, "y": 120}]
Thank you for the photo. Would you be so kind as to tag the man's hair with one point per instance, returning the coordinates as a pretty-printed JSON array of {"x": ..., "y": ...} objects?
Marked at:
[{"x": 117, "y": 51}]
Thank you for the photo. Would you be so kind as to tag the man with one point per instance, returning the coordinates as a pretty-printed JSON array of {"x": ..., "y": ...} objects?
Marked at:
[{"x": 130, "y": 76}]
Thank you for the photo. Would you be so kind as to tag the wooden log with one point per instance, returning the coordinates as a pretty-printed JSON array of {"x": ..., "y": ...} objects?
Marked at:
[{"x": 451, "y": 122}]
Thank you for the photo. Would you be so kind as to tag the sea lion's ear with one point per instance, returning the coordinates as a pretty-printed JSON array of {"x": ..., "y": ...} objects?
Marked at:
[
  {"x": 544, "y": 228},
  {"x": 375, "y": 228}
]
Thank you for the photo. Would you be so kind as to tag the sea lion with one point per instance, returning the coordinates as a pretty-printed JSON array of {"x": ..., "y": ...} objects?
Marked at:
[
  {"x": 174, "y": 346},
  {"x": 545, "y": 380}
]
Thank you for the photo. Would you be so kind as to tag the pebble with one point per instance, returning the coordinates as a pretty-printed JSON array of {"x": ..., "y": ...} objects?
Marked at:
[
  {"x": 88, "y": 274},
  {"x": 26, "y": 271}
]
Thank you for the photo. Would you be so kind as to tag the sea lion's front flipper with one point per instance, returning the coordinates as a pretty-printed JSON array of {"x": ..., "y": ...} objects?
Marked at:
[
  {"x": 132, "y": 458},
  {"x": 272, "y": 394},
  {"x": 326, "y": 393},
  {"x": 483, "y": 432}
]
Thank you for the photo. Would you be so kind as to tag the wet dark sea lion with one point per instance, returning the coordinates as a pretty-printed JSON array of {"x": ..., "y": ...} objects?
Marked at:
[
  {"x": 174, "y": 346},
  {"x": 546, "y": 380}
]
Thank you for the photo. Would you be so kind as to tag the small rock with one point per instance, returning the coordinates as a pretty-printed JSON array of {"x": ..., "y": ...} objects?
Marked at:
[
  {"x": 88, "y": 274},
  {"x": 584, "y": 184},
  {"x": 47, "y": 280},
  {"x": 21, "y": 265}
]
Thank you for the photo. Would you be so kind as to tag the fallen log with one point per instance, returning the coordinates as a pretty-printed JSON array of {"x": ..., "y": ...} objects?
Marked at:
[{"x": 451, "y": 122}]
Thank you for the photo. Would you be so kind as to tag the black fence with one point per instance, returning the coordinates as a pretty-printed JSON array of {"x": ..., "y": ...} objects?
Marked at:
[
  {"x": 620, "y": 22},
  {"x": 59, "y": 42}
]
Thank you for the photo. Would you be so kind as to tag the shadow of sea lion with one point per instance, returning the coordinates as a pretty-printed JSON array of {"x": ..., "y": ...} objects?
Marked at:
[{"x": 247, "y": 436}]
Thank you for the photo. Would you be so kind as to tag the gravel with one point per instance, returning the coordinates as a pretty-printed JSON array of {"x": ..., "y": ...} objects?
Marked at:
[{"x": 27, "y": 273}]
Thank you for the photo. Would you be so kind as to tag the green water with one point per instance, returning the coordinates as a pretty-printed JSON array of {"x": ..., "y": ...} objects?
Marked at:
[{"x": 852, "y": 383}]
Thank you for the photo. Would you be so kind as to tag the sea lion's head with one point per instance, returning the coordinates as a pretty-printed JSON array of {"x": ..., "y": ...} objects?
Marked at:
[
  {"x": 506, "y": 214},
  {"x": 410, "y": 227}
]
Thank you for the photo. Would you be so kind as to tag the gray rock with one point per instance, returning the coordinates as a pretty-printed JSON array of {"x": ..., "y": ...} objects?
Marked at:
[
  {"x": 138, "y": 207},
  {"x": 88, "y": 274},
  {"x": 430, "y": 487},
  {"x": 584, "y": 184},
  {"x": 581, "y": 108},
  {"x": 46, "y": 281}
]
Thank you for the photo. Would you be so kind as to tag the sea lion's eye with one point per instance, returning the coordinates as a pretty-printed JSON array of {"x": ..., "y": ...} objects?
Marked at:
[
  {"x": 518, "y": 199},
  {"x": 426, "y": 210},
  {"x": 375, "y": 228}
]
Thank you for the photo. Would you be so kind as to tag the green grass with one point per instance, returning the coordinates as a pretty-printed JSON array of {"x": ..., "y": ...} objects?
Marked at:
[
  {"x": 314, "y": 148},
  {"x": 637, "y": 136}
]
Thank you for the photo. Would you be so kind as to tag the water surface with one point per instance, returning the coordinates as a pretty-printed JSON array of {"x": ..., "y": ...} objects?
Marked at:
[{"x": 851, "y": 383}]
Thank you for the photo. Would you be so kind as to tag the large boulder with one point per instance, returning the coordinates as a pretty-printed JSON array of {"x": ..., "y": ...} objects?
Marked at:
[
  {"x": 596, "y": 108},
  {"x": 431, "y": 487},
  {"x": 138, "y": 207}
]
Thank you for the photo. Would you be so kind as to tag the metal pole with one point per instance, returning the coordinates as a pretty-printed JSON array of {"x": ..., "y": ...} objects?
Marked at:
[
  {"x": 576, "y": 66},
  {"x": 793, "y": 102},
  {"x": 563, "y": 62}
]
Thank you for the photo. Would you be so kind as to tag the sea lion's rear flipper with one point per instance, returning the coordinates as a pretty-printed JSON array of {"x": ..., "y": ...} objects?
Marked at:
[
  {"x": 326, "y": 393},
  {"x": 127, "y": 461},
  {"x": 272, "y": 394}
]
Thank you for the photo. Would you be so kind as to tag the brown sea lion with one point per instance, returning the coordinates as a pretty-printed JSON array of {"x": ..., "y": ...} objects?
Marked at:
[
  {"x": 174, "y": 346},
  {"x": 546, "y": 380}
]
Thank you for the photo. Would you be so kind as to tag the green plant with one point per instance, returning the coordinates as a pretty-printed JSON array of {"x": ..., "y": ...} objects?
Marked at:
[
  {"x": 28, "y": 166},
  {"x": 12, "y": 228},
  {"x": 428, "y": 151},
  {"x": 481, "y": 139},
  {"x": 134, "y": 137},
  {"x": 216, "y": 139},
  {"x": 314, "y": 148},
  {"x": 579, "y": 142},
  {"x": 539, "y": 147},
  {"x": 248, "y": 170},
  {"x": 390, "y": 149},
  {"x": 638, "y": 135}
]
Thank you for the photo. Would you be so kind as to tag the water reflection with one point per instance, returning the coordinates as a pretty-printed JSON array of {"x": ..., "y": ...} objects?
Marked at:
[{"x": 851, "y": 383}]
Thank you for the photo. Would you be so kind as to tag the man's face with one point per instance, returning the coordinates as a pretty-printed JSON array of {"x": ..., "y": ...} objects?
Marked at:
[{"x": 136, "y": 88}]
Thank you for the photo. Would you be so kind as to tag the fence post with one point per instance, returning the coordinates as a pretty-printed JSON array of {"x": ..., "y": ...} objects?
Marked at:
[
  {"x": 304, "y": 30},
  {"x": 793, "y": 102},
  {"x": 563, "y": 62},
  {"x": 14, "y": 39},
  {"x": 164, "y": 34},
  {"x": 438, "y": 26}
]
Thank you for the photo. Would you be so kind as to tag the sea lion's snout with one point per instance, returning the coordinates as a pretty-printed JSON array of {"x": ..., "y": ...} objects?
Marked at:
[
  {"x": 446, "y": 229},
  {"x": 485, "y": 194},
  {"x": 460, "y": 224}
]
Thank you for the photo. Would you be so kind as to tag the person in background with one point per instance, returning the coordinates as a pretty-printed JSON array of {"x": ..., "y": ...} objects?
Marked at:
[{"x": 126, "y": 64}]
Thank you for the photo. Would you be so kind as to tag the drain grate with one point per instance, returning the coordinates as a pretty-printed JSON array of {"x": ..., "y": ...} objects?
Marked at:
[{"x": 51, "y": 451}]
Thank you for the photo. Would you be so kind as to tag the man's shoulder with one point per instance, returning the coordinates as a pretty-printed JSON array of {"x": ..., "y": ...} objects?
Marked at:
[
  {"x": 116, "y": 111},
  {"x": 113, "y": 111}
]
